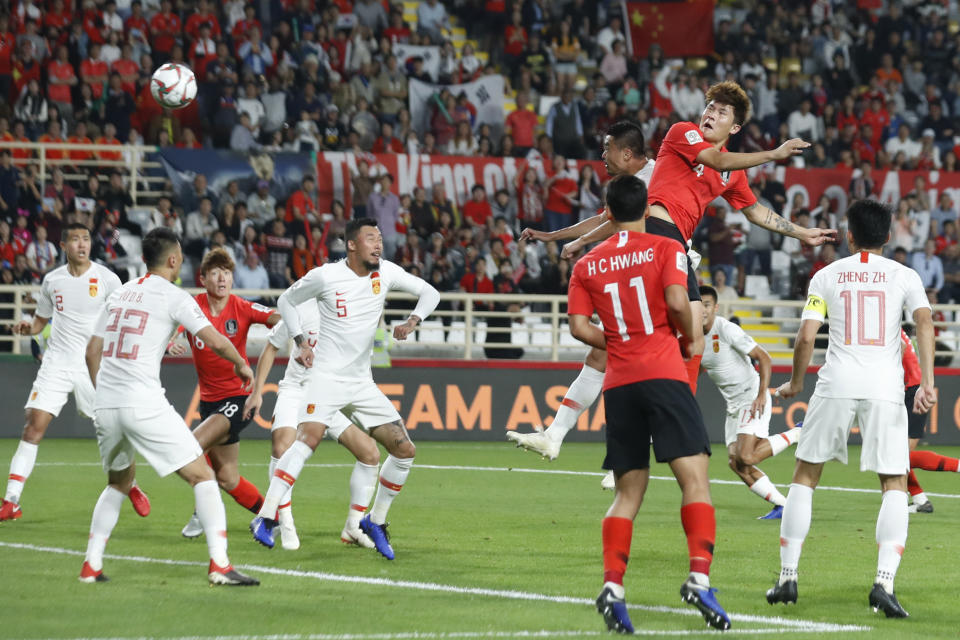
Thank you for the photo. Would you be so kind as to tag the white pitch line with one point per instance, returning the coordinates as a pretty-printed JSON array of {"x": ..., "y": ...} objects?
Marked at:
[
  {"x": 793, "y": 624},
  {"x": 449, "y": 635},
  {"x": 557, "y": 472}
]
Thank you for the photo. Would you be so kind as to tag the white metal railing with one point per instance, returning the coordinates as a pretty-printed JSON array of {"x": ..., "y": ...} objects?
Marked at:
[
  {"x": 539, "y": 328},
  {"x": 143, "y": 187}
]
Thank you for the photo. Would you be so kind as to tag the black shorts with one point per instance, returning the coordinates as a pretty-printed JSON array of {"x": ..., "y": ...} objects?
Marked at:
[
  {"x": 663, "y": 410},
  {"x": 916, "y": 422},
  {"x": 659, "y": 227},
  {"x": 232, "y": 410}
]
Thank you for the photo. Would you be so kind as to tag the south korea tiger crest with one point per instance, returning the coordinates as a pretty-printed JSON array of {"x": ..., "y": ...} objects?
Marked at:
[{"x": 375, "y": 282}]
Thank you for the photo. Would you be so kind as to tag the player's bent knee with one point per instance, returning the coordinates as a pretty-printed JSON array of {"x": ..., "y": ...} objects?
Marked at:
[
  {"x": 196, "y": 472},
  {"x": 404, "y": 450},
  {"x": 281, "y": 439},
  {"x": 311, "y": 433},
  {"x": 35, "y": 425}
]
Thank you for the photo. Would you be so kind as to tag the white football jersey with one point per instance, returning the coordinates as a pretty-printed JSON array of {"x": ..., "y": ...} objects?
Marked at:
[
  {"x": 73, "y": 304},
  {"x": 864, "y": 296},
  {"x": 136, "y": 325},
  {"x": 350, "y": 307},
  {"x": 646, "y": 173},
  {"x": 279, "y": 337},
  {"x": 726, "y": 361}
]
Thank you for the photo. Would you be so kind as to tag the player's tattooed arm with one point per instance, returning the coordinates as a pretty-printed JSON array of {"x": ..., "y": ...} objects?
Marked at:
[{"x": 764, "y": 217}]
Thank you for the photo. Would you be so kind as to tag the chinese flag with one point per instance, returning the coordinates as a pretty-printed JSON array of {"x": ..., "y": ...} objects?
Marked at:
[{"x": 681, "y": 28}]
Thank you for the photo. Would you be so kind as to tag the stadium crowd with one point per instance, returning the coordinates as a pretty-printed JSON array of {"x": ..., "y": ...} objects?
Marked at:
[{"x": 872, "y": 89}]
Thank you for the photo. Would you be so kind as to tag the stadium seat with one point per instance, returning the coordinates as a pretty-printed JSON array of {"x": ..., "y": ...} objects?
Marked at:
[
  {"x": 566, "y": 339},
  {"x": 456, "y": 333},
  {"x": 757, "y": 287},
  {"x": 480, "y": 332},
  {"x": 431, "y": 331},
  {"x": 519, "y": 335}
]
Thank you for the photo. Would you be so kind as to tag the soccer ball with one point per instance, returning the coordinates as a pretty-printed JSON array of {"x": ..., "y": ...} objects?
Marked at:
[{"x": 173, "y": 86}]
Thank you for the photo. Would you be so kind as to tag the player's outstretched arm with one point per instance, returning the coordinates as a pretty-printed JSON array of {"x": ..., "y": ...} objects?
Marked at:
[
  {"x": 926, "y": 395},
  {"x": 225, "y": 349},
  {"x": 802, "y": 353},
  {"x": 764, "y": 217},
  {"x": 599, "y": 233},
  {"x": 763, "y": 359},
  {"x": 252, "y": 405},
  {"x": 567, "y": 233},
  {"x": 587, "y": 333},
  {"x": 730, "y": 161},
  {"x": 30, "y": 328},
  {"x": 93, "y": 355}
]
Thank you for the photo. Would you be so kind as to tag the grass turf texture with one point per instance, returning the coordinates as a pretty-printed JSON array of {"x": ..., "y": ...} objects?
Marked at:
[{"x": 527, "y": 532}]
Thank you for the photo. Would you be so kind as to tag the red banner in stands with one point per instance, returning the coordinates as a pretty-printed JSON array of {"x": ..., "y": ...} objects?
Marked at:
[
  {"x": 680, "y": 28},
  {"x": 889, "y": 186},
  {"x": 456, "y": 173}
]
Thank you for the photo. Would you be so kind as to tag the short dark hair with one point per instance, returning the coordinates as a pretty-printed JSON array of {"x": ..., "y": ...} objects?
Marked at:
[
  {"x": 707, "y": 290},
  {"x": 627, "y": 198},
  {"x": 869, "y": 223},
  {"x": 157, "y": 244},
  {"x": 216, "y": 259},
  {"x": 354, "y": 226},
  {"x": 477, "y": 186},
  {"x": 731, "y": 93},
  {"x": 628, "y": 135},
  {"x": 900, "y": 249},
  {"x": 72, "y": 226}
]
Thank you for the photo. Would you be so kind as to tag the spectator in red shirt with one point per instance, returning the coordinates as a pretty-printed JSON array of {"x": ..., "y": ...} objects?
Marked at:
[
  {"x": 878, "y": 118},
  {"x": 136, "y": 26},
  {"x": 55, "y": 136},
  {"x": 477, "y": 281},
  {"x": 95, "y": 71},
  {"x": 300, "y": 205},
  {"x": 58, "y": 18},
  {"x": 948, "y": 238},
  {"x": 386, "y": 142},
  {"x": 242, "y": 27},
  {"x": 863, "y": 147},
  {"x": 109, "y": 137},
  {"x": 128, "y": 68},
  {"x": 559, "y": 191},
  {"x": 203, "y": 14},
  {"x": 515, "y": 39},
  {"x": 203, "y": 50},
  {"x": 80, "y": 137},
  {"x": 60, "y": 78},
  {"x": 8, "y": 43},
  {"x": 477, "y": 211},
  {"x": 397, "y": 32},
  {"x": 522, "y": 124},
  {"x": 164, "y": 29},
  {"x": 847, "y": 115}
]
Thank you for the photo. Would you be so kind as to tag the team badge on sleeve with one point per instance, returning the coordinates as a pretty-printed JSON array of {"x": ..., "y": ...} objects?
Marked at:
[
  {"x": 93, "y": 287},
  {"x": 816, "y": 304},
  {"x": 375, "y": 282},
  {"x": 693, "y": 137},
  {"x": 681, "y": 261}
]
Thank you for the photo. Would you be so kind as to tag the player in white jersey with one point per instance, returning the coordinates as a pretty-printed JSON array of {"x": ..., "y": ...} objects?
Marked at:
[
  {"x": 861, "y": 383},
  {"x": 72, "y": 296},
  {"x": 283, "y": 431},
  {"x": 727, "y": 360},
  {"x": 623, "y": 154},
  {"x": 351, "y": 294},
  {"x": 132, "y": 412}
]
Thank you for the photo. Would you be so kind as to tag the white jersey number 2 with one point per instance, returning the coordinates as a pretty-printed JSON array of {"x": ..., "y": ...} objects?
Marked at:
[{"x": 613, "y": 289}]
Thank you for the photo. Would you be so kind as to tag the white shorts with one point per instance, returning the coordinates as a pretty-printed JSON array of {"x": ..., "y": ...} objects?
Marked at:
[
  {"x": 157, "y": 433},
  {"x": 361, "y": 401},
  {"x": 52, "y": 386},
  {"x": 286, "y": 413},
  {"x": 883, "y": 427},
  {"x": 739, "y": 420}
]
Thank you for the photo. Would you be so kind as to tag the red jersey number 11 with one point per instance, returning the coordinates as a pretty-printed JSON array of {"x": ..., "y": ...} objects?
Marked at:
[{"x": 613, "y": 290}]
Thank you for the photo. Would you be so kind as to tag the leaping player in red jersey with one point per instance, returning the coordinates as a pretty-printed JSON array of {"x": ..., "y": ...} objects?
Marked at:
[
  {"x": 693, "y": 167},
  {"x": 222, "y": 393},
  {"x": 916, "y": 423},
  {"x": 636, "y": 282}
]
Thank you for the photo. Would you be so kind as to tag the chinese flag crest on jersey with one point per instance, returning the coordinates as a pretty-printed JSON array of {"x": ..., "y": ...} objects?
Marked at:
[
  {"x": 716, "y": 343},
  {"x": 375, "y": 282},
  {"x": 93, "y": 287},
  {"x": 311, "y": 407}
]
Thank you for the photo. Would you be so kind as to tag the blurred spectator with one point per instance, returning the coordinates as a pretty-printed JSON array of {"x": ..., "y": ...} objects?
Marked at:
[
  {"x": 724, "y": 240},
  {"x": 504, "y": 206},
  {"x": 279, "y": 252},
  {"x": 559, "y": 193},
  {"x": 943, "y": 212},
  {"x": 432, "y": 20},
  {"x": 199, "y": 227},
  {"x": 260, "y": 204},
  {"x": 9, "y": 185},
  {"x": 251, "y": 274},
  {"x": 725, "y": 294},
  {"x": 861, "y": 186},
  {"x": 947, "y": 237},
  {"x": 950, "y": 293},
  {"x": 565, "y": 127},
  {"x": 929, "y": 266},
  {"x": 477, "y": 211},
  {"x": 521, "y": 124},
  {"x": 387, "y": 143},
  {"x": 384, "y": 207}
]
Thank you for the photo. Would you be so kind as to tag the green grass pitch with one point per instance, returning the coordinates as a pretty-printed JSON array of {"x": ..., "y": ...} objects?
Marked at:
[{"x": 484, "y": 549}]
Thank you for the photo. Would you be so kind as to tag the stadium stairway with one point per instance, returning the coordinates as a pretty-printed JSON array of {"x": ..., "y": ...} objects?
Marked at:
[{"x": 756, "y": 327}]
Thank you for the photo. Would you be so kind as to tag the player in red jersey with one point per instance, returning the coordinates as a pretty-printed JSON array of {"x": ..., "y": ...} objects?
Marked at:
[
  {"x": 916, "y": 423},
  {"x": 693, "y": 167},
  {"x": 637, "y": 283},
  {"x": 222, "y": 393}
]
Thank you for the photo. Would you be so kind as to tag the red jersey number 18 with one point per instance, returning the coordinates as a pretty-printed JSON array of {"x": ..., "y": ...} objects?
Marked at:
[{"x": 613, "y": 290}]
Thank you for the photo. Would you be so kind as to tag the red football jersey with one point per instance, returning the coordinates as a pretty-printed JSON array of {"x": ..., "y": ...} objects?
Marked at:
[
  {"x": 685, "y": 187},
  {"x": 911, "y": 363},
  {"x": 624, "y": 279},
  {"x": 217, "y": 379}
]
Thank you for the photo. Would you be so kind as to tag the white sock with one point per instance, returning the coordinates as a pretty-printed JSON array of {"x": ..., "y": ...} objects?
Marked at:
[
  {"x": 780, "y": 441},
  {"x": 363, "y": 482},
  {"x": 580, "y": 396},
  {"x": 288, "y": 468},
  {"x": 891, "y": 536},
  {"x": 21, "y": 465},
  {"x": 213, "y": 519},
  {"x": 920, "y": 498},
  {"x": 393, "y": 474},
  {"x": 105, "y": 516},
  {"x": 617, "y": 589},
  {"x": 794, "y": 527},
  {"x": 701, "y": 579},
  {"x": 765, "y": 489},
  {"x": 288, "y": 496}
]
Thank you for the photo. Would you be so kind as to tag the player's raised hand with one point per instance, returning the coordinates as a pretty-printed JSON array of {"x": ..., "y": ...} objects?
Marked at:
[
  {"x": 401, "y": 331},
  {"x": 176, "y": 349},
  {"x": 571, "y": 249},
  {"x": 533, "y": 234},
  {"x": 790, "y": 148},
  {"x": 22, "y": 328},
  {"x": 251, "y": 407},
  {"x": 305, "y": 356},
  {"x": 245, "y": 373},
  {"x": 788, "y": 389},
  {"x": 816, "y": 237},
  {"x": 924, "y": 400}
]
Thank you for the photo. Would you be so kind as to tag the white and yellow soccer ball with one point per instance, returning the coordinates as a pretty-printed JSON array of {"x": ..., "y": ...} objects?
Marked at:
[{"x": 173, "y": 86}]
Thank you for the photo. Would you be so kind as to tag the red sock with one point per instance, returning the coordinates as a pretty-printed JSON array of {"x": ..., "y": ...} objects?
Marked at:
[
  {"x": 912, "y": 485},
  {"x": 617, "y": 535},
  {"x": 693, "y": 372},
  {"x": 247, "y": 495},
  {"x": 700, "y": 525},
  {"x": 206, "y": 457},
  {"x": 931, "y": 461}
]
